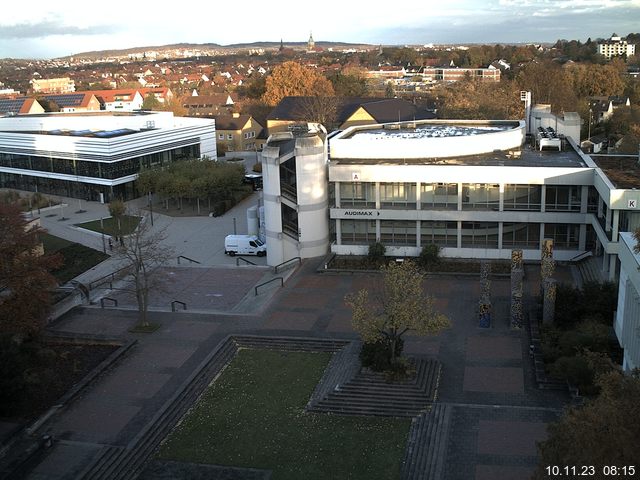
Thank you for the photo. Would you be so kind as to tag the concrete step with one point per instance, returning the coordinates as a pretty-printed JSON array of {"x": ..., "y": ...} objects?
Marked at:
[
  {"x": 125, "y": 462},
  {"x": 370, "y": 392},
  {"x": 290, "y": 343},
  {"x": 425, "y": 455}
]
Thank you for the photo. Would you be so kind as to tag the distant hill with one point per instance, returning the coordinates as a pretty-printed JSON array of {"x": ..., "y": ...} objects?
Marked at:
[{"x": 213, "y": 46}]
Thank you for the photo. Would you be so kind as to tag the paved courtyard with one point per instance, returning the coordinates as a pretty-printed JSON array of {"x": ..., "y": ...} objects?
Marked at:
[{"x": 498, "y": 413}]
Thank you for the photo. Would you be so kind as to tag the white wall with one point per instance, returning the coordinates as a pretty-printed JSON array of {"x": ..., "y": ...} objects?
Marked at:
[{"x": 627, "y": 320}]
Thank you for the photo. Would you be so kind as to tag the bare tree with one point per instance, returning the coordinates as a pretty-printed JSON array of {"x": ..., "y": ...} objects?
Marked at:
[
  {"x": 322, "y": 110},
  {"x": 143, "y": 252}
]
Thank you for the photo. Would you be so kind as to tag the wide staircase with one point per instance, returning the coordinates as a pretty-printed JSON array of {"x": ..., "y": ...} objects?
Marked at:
[
  {"x": 427, "y": 444},
  {"x": 591, "y": 269},
  {"x": 371, "y": 393},
  {"x": 120, "y": 462}
]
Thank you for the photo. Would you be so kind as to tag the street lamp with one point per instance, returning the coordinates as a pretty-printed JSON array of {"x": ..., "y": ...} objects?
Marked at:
[{"x": 150, "y": 207}]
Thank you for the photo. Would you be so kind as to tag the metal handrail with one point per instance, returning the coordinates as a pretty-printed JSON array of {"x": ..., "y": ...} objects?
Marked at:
[
  {"x": 581, "y": 256},
  {"x": 265, "y": 283},
  {"x": 102, "y": 280},
  {"x": 275, "y": 269},
  {"x": 187, "y": 258},
  {"x": 248, "y": 262},
  {"x": 173, "y": 305},
  {"x": 115, "y": 301}
]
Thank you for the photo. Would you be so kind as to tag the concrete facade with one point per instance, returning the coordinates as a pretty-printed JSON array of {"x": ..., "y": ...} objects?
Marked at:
[
  {"x": 295, "y": 195},
  {"x": 627, "y": 316},
  {"x": 419, "y": 183}
]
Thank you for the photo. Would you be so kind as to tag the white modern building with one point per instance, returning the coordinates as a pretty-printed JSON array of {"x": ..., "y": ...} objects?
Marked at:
[
  {"x": 295, "y": 194},
  {"x": 97, "y": 155},
  {"x": 627, "y": 319},
  {"x": 615, "y": 47},
  {"x": 478, "y": 189}
]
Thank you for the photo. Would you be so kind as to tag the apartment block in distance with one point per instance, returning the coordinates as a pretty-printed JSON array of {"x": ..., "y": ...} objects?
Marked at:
[
  {"x": 53, "y": 85},
  {"x": 616, "y": 47}
]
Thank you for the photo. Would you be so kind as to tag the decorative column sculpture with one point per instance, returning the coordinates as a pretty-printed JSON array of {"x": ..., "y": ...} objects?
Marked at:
[
  {"x": 549, "y": 301},
  {"x": 484, "y": 307},
  {"x": 547, "y": 264},
  {"x": 517, "y": 276}
]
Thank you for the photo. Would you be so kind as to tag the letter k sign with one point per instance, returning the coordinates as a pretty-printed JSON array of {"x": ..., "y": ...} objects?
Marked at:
[{"x": 632, "y": 204}]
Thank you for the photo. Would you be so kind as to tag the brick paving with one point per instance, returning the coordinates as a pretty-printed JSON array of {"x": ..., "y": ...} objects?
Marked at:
[{"x": 497, "y": 411}]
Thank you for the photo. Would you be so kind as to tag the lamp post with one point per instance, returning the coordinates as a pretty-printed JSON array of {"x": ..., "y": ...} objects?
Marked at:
[
  {"x": 150, "y": 207},
  {"x": 104, "y": 247},
  {"x": 589, "y": 134}
]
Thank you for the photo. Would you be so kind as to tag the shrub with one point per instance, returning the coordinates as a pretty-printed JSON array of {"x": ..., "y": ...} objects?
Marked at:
[
  {"x": 377, "y": 355},
  {"x": 595, "y": 301},
  {"x": 429, "y": 256},
  {"x": 376, "y": 253},
  {"x": 12, "y": 367},
  {"x": 589, "y": 335},
  {"x": 257, "y": 168},
  {"x": 576, "y": 370}
]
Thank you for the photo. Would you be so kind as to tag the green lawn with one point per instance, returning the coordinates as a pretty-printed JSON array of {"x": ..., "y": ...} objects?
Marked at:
[
  {"x": 76, "y": 258},
  {"x": 53, "y": 244},
  {"x": 253, "y": 416},
  {"x": 128, "y": 224}
]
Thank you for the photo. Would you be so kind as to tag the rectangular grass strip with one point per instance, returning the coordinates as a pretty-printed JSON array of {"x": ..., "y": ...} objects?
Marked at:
[{"x": 253, "y": 416}]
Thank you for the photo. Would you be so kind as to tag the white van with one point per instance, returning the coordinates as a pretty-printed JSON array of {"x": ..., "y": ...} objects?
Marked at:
[{"x": 244, "y": 245}]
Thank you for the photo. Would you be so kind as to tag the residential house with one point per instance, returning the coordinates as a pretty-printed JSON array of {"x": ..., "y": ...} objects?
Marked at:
[
  {"x": 121, "y": 100},
  {"x": 602, "y": 108},
  {"x": 75, "y": 102},
  {"x": 237, "y": 132},
  {"x": 209, "y": 105},
  {"x": 162, "y": 94},
  {"x": 342, "y": 112},
  {"x": 20, "y": 106}
]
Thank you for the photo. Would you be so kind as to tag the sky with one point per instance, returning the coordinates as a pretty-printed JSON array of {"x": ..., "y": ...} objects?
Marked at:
[{"x": 45, "y": 29}]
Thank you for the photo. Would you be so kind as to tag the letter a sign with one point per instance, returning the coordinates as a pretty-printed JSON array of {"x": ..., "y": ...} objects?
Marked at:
[
  {"x": 355, "y": 176},
  {"x": 632, "y": 204}
]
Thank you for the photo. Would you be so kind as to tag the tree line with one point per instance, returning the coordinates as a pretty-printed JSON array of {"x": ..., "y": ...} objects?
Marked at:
[{"x": 219, "y": 185}]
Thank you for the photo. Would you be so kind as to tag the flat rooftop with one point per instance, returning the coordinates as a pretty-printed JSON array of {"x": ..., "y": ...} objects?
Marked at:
[
  {"x": 523, "y": 157},
  {"x": 622, "y": 171},
  {"x": 93, "y": 113},
  {"x": 425, "y": 131},
  {"x": 82, "y": 133}
]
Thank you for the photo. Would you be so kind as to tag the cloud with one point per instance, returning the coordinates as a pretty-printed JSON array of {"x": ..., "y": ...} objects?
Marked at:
[{"x": 48, "y": 28}]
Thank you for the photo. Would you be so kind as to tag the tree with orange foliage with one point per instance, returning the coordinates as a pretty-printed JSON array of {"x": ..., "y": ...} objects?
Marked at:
[
  {"x": 25, "y": 281},
  {"x": 293, "y": 79}
]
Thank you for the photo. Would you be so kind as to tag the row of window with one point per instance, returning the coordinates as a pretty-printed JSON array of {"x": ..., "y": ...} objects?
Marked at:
[
  {"x": 107, "y": 170},
  {"x": 247, "y": 135},
  {"x": 445, "y": 234},
  {"x": 473, "y": 196}
]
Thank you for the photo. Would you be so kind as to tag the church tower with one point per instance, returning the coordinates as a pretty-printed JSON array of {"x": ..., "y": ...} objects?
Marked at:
[{"x": 311, "y": 45}]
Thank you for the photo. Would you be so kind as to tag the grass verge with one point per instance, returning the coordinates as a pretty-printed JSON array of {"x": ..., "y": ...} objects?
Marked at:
[
  {"x": 253, "y": 416},
  {"x": 109, "y": 226},
  {"x": 76, "y": 258}
]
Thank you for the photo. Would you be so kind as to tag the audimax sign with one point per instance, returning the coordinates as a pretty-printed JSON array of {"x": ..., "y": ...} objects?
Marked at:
[{"x": 361, "y": 213}]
